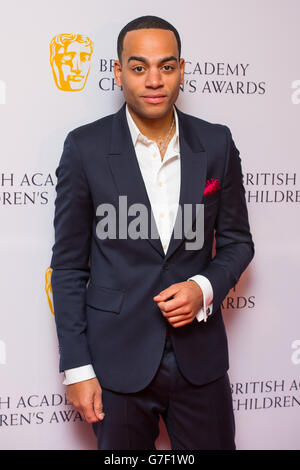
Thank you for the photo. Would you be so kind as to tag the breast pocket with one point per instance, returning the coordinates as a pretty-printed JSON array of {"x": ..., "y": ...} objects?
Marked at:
[
  {"x": 104, "y": 298},
  {"x": 211, "y": 199}
]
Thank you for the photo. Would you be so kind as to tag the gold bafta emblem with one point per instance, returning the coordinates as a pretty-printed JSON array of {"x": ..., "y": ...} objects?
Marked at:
[
  {"x": 48, "y": 288},
  {"x": 70, "y": 59}
]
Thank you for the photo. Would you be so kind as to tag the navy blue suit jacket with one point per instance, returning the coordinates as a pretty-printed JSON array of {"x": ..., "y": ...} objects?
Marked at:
[{"x": 103, "y": 289}]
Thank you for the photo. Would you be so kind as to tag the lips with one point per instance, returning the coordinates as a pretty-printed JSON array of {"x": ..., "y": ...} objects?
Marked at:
[
  {"x": 76, "y": 78},
  {"x": 154, "y": 99}
]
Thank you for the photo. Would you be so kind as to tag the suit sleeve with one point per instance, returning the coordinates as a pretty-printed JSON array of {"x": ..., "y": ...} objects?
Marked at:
[
  {"x": 70, "y": 258},
  {"x": 234, "y": 244}
]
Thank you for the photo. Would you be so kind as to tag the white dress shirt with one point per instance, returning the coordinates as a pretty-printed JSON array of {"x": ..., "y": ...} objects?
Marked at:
[{"x": 162, "y": 181}]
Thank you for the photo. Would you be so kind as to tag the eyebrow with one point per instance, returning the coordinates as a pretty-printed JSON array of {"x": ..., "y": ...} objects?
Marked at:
[{"x": 143, "y": 59}]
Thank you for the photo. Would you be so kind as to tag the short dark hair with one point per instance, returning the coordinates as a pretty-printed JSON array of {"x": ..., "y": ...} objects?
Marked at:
[{"x": 146, "y": 22}]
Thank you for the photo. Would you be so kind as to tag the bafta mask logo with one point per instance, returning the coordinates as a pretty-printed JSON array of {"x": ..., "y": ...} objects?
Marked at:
[
  {"x": 2, "y": 92},
  {"x": 48, "y": 288},
  {"x": 70, "y": 58}
]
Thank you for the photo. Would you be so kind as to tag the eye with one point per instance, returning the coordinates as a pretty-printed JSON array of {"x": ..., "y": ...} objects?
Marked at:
[
  {"x": 138, "y": 68},
  {"x": 84, "y": 57},
  {"x": 65, "y": 59},
  {"x": 168, "y": 67}
]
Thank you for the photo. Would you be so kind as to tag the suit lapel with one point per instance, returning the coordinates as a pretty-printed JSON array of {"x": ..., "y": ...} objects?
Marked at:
[
  {"x": 127, "y": 174},
  {"x": 129, "y": 180}
]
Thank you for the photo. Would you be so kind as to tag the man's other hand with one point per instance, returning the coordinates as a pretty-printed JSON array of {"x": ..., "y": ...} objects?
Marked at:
[
  {"x": 180, "y": 302},
  {"x": 86, "y": 397}
]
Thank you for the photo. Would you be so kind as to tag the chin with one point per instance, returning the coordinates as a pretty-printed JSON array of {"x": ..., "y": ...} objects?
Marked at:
[
  {"x": 150, "y": 111},
  {"x": 155, "y": 111}
]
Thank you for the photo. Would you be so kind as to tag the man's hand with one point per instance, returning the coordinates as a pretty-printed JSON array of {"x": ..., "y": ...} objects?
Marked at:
[
  {"x": 86, "y": 397},
  {"x": 186, "y": 300}
]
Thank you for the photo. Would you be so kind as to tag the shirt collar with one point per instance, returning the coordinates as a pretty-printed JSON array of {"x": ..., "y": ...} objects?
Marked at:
[{"x": 136, "y": 134}]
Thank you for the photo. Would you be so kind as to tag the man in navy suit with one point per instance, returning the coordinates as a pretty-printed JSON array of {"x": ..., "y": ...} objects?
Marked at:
[{"x": 138, "y": 318}]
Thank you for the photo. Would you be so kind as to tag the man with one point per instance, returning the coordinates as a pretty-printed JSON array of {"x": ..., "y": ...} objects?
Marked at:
[{"x": 138, "y": 318}]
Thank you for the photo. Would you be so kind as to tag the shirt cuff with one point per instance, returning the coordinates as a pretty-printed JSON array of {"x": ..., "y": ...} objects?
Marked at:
[
  {"x": 79, "y": 374},
  {"x": 207, "y": 291}
]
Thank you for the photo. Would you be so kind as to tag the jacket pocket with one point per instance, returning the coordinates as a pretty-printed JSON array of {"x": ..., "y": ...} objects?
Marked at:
[
  {"x": 104, "y": 298},
  {"x": 211, "y": 199}
]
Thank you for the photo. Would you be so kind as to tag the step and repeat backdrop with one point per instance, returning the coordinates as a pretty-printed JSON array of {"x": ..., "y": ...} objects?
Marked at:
[{"x": 242, "y": 70}]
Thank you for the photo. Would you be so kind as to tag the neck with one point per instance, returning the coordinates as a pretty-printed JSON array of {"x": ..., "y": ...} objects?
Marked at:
[{"x": 153, "y": 128}]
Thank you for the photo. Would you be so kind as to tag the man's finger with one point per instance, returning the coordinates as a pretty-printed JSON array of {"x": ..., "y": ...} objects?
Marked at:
[
  {"x": 80, "y": 410},
  {"x": 179, "y": 318},
  {"x": 170, "y": 305},
  {"x": 183, "y": 323},
  {"x": 98, "y": 407},
  {"x": 184, "y": 310},
  {"x": 167, "y": 293},
  {"x": 89, "y": 413}
]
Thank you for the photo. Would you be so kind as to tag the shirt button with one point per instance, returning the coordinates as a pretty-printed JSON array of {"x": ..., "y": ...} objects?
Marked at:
[
  {"x": 160, "y": 184},
  {"x": 161, "y": 215},
  {"x": 154, "y": 155}
]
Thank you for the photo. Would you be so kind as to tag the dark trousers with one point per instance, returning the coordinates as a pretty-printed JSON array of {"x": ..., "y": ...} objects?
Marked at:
[{"x": 196, "y": 417}]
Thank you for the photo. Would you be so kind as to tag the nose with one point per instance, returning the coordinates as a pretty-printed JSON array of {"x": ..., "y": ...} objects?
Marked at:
[
  {"x": 153, "y": 78},
  {"x": 76, "y": 64}
]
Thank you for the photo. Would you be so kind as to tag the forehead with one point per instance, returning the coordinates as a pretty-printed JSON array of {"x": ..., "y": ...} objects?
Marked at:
[
  {"x": 150, "y": 42},
  {"x": 74, "y": 46}
]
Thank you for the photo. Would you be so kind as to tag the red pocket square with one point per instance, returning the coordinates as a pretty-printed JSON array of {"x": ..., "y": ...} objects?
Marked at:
[{"x": 211, "y": 186}]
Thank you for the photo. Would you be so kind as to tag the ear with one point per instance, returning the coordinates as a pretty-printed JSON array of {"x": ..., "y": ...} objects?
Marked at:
[
  {"x": 182, "y": 66},
  {"x": 118, "y": 72}
]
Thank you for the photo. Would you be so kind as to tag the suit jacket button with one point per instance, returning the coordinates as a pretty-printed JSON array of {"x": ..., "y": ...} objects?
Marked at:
[{"x": 166, "y": 266}]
